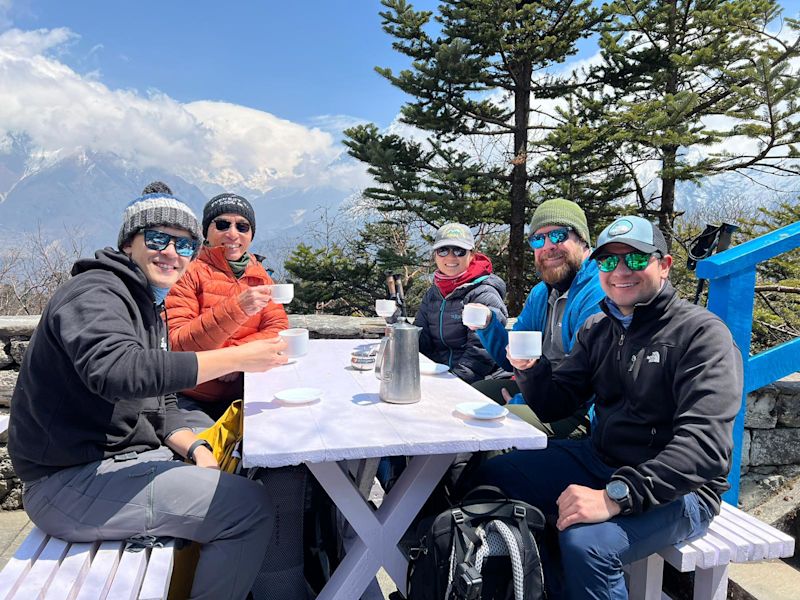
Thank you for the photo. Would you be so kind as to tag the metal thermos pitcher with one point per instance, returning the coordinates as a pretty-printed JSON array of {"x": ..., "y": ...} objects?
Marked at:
[{"x": 397, "y": 364}]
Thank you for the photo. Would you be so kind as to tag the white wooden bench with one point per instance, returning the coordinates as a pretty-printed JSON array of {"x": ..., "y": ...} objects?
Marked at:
[
  {"x": 733, "y": 536},
  {"x": 49, "y": 568}
]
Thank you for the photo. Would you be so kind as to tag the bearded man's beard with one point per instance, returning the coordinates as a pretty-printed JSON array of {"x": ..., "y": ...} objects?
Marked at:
[{"x": 562, "y": 275}]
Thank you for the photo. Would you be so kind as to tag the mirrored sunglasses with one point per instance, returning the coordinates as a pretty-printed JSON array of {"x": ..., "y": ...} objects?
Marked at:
[
  {"x": 557, "y": 236},
  {"x": 635, "y": 261},
  {"x": 158, "y": 240},
  {"x": 224, "y": 225},
  {"x": 445, "y": 250}
]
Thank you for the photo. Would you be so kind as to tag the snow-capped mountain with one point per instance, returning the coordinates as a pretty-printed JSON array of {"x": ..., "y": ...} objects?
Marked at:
[{"x": 84, "y": 193}]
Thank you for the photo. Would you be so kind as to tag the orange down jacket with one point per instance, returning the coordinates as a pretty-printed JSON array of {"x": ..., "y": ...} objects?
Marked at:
[{"x": 203, "y": 313}]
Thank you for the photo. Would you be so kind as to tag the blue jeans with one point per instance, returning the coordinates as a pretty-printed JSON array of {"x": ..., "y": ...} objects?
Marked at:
[{"x": 592, "y": 555}]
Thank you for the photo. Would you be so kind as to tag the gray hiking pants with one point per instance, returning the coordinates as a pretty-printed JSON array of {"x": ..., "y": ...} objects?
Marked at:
[{"x": 152, "y": 494}]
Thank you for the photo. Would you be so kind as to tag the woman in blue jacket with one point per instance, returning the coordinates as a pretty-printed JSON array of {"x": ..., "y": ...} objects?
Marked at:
[{"x": 462, "y": 276}]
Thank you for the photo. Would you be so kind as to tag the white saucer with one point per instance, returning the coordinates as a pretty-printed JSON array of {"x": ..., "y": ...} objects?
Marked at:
[
  {"x": 300, "y": 395},
  {"x": 482, "y": 410},
  {"x": 432, "y": 368}
]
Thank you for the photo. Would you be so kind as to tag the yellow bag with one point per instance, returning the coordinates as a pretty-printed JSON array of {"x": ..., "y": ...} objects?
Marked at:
[{"x": 224, "y": 436}]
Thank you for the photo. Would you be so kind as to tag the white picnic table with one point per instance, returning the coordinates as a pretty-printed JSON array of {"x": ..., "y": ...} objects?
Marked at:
[{"x": 350, "y": 422}]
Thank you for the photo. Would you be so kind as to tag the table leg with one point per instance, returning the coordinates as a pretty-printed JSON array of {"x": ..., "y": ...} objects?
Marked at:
[{"x": 378, "y": 531}]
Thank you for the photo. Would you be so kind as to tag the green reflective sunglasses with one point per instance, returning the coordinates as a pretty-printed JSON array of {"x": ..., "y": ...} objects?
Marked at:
[{"x": 635, "y": 261}]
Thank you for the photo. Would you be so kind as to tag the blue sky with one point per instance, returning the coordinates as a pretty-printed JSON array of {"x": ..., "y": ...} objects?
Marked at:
[{"x": 297, "y": 60}]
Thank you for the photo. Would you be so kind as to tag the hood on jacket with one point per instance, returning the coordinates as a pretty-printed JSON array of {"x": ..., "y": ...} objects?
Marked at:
[{"x": 118, "y": 263}]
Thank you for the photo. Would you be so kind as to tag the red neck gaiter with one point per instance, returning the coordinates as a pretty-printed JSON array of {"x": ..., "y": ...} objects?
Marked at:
[{"x": 479, "y": 266}]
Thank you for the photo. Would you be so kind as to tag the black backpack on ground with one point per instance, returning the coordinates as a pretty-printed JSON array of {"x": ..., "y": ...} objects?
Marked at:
[{"x": 484, "y": 548}]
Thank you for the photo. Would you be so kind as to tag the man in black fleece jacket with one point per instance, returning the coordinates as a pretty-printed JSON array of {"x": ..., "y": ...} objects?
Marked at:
[
  {"x": 94, "y": 422},
  {"x": 667, "y": 383}
]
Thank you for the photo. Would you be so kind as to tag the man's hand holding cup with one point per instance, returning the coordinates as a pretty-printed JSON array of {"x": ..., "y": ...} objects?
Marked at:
[{"x": 524, "y": 349}]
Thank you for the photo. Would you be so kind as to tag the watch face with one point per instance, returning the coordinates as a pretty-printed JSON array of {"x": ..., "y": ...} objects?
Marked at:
[{"x": 617, "y": 490}]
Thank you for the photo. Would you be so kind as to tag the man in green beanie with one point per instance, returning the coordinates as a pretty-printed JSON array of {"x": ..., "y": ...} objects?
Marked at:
[{"x": 567, "y": 295}]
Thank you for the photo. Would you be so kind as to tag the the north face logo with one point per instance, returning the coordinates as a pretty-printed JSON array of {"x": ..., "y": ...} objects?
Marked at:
[{"x": 654, "y": 357}]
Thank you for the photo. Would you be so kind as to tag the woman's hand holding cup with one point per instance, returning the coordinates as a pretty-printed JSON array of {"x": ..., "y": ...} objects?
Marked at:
[{"x": 476, "y": 316}]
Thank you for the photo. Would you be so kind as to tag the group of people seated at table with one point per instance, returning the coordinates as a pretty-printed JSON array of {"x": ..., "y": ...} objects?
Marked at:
[{"x": 147, "y": 343}]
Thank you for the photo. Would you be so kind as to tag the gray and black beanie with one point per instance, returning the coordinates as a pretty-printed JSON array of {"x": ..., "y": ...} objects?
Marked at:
[
  {"x": 157, "y": 187},
  {"x": 228, "y": 203},
  {"x": 152, "y": 210}
]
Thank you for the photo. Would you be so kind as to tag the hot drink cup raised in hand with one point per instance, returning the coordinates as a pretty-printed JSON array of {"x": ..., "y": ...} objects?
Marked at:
[
  {"x": 282, "y": 293},
  {"x": 525, "y": 344},
  {"x": 475, "y": 315}
]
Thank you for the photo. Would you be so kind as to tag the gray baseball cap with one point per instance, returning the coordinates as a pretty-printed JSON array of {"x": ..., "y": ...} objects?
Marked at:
[
  {"x": 454, "y": 234},
  {"x": 634, "y": 231}
]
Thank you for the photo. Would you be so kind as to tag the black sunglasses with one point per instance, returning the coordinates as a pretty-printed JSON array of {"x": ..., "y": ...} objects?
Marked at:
[
  {"x": 557, "y": 236},
  {"x": 445, "y": 250},
  {"x": 159, "y": 240},
  {"x": 224, "y": 225}
]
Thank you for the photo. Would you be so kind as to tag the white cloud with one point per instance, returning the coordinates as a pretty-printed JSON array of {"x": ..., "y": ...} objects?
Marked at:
[{"x": 236, "y": 147}]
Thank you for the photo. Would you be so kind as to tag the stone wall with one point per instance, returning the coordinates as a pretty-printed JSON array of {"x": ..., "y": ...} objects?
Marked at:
[{"x": 771, "y": 449}]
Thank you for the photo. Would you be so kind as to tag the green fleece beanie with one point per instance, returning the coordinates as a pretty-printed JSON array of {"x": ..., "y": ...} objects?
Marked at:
[{"x": 559, "y": 211}]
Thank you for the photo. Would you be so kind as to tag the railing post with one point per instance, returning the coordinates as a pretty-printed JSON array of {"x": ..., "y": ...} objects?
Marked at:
[{"x": 731, "y": 299}]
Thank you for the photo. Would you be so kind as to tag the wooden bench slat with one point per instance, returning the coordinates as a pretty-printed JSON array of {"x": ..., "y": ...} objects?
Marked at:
[
  {"x": 98, "y": 579},
  {"x": 130, "y": 574},
  {"x": 756, "y": 548},
  {"x": 781, "y": 544},
  {"x": 683, "y": 557},
  {"x": 723, "y": 552},
  {"x": 740, "y": 547},
  {"x": 19, "y": 565},
  {"x": 159, "y": 573},
  {"x": 770, "y": 541},
  {"x": 73, "y": 570},
  {"x": 43, "y": 570}
]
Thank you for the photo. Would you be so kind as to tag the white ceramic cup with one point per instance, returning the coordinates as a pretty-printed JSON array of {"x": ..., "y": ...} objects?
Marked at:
[
  {"x": 475, "y": 315},
  {"x": 385, "y": 308},
  {"x": 525, "y": 344},
  {"x": 282, "y": 293},
  {"x": 296, "y": 342}
]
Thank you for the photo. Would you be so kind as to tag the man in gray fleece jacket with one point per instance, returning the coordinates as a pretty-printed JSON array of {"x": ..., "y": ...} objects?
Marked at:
[{"x": 95, "y": 423}]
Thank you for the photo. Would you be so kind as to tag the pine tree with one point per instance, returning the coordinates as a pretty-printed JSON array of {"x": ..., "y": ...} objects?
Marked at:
[
  {"x": 471, "y": 85},
  {"x": 687, "y": 89}
]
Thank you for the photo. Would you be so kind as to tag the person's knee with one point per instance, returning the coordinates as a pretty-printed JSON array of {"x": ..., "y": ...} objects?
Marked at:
[
  {"x": 585, "y": 544},
  {"x": 254, "y": 505}
]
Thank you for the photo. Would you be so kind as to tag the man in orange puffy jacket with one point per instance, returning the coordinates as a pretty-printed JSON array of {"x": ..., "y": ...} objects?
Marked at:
[{"x": 222, "y": 300}]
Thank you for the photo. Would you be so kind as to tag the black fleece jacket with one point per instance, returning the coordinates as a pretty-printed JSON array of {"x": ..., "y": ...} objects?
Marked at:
[
  {"x": 96, "y": 379},
  {"x": 667, "y": 390}
]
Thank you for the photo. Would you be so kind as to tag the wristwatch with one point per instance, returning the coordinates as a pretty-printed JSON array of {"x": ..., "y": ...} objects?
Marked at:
[
  {"x": 195, "y": 445},
  {"x": 619, "y": 492}
]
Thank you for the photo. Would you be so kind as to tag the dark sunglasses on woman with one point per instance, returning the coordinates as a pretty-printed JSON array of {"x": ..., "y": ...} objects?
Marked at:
[
  {"x": 159, "y": 240},
  {"x": 635, "y": 261},
  {"x": 445, "y": 250},
  {"x": 224, "y": 225},
  {"x": 557, "y": 236}
]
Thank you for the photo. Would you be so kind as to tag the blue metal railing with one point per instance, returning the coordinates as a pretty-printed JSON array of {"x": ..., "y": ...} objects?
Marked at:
[{"x": 732, "y": 280}]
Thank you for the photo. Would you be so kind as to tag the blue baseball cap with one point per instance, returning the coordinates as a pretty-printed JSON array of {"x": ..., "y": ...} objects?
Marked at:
[{"x": 635, "y": 232}]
